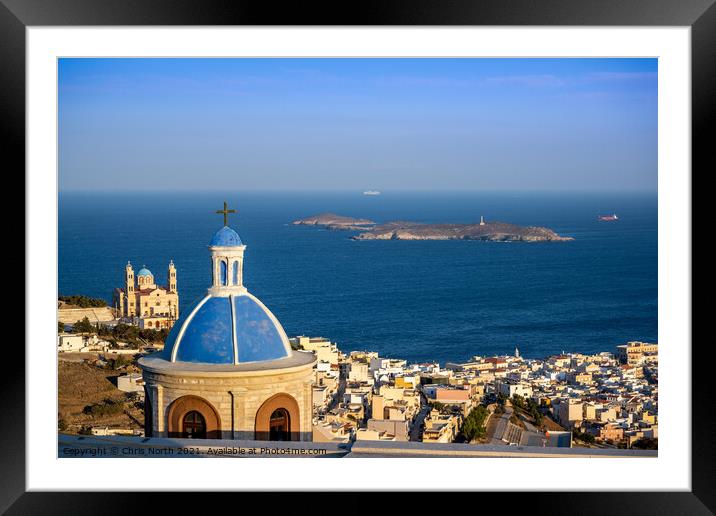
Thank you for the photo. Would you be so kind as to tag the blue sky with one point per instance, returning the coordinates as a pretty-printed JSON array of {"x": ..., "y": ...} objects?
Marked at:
[{"x": 355, "y": 124}]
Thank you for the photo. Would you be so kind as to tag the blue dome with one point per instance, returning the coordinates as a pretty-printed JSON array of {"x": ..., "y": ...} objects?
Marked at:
[
  {"x": 225, "y": 237},
  {"x": 227, "y": 330},
  {"x": 144, "y": 272}
]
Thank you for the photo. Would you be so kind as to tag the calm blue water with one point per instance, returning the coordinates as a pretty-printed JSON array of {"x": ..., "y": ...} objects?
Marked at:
[{"x": 420, "y": 300}]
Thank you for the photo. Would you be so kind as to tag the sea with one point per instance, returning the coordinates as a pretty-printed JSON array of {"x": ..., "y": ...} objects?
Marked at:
[{"x": 418, "y": 300}]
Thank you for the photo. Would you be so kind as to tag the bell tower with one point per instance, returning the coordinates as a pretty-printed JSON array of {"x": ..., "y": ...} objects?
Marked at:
[
  {"x": 172, "y": 277},
  {"x": 129, "y": 289},
  {"x": 227, "y": 259},
  {"x": 227, "y": 269}
]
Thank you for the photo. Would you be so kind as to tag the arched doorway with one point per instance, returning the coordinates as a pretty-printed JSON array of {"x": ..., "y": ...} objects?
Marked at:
[
  {"x": 193, "y": 417},
  {"x": 193, "y": 425},
  {"x": 279, "y": 425},
  {"x": 278, "y": 419}
]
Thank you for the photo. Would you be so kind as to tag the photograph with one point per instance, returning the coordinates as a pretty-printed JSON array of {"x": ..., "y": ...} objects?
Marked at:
[{"x": 358, "y": 257}]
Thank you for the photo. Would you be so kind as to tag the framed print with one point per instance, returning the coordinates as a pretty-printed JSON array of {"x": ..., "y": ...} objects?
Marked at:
[{"x": 420, "y": 238}]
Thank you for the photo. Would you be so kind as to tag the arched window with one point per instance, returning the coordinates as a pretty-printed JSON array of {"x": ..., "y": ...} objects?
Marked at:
[
  {"x": 236, "y": 272},
  {"x": 279, "y": 425},
  {"x": 224, "y": 273},
  {"x": 193, "y": 425}
]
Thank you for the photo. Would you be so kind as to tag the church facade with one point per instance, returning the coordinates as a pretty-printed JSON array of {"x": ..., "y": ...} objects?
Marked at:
[
  {"x": 145, "y": 303},
  {"x": 227, "y": 370}
]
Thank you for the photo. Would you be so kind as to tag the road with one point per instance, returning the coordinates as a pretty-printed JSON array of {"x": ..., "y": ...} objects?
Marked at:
[
  {"x": 339, "y": 394},
  {"x": 416, "y": 427}
]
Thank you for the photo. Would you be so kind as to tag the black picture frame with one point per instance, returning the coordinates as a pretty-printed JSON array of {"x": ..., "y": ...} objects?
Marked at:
[{"x": 700, "y": 15}]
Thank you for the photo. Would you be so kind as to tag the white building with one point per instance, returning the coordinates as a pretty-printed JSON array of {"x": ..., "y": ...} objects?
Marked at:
[
  {"x": 511, "y": 389},
  {"x": 324, "y": 349},
  {"x": 67, "y": 342},
  {"x": 358, "y": 372},
  {"x": 130, "y": 383}
]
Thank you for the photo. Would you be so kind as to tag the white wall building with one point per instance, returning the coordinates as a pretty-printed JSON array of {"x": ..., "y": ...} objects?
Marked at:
[
  {"x": 130, "y": 383},
  {"x": 67, "y": 342}
]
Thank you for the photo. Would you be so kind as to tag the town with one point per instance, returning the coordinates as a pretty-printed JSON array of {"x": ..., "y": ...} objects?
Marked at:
[{"x": 606, "y": 400}]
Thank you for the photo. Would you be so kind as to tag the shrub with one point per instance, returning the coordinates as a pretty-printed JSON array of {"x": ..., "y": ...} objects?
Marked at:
[
  {"x": 119, "y": 362},
  {"x": 584, "y": 436},
  {"x": 646, "y": 443},
  {"x": 83, "y": 301},
  {"x": 132, "y": 334},
  {"x": 106, "y": 408}
]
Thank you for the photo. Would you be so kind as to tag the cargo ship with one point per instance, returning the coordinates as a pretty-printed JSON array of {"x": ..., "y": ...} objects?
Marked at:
[
  {"x": 608, "y": 218},
  {"x": 371, "y": 192}
]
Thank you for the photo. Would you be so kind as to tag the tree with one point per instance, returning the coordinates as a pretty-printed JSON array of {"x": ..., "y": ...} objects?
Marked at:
[
  {"x": 474, "y": 425},
  {"x": 154, "y": 335},
  {"x": 125, "y": 332},
  {"x": 534, "y": 411},
  {"x": 537, "y": 416},
  {"x": 437, "y": 406},
  {"x": 83, "y": 326},
  {"x": 518, "y": 401},
  {"x": 585, "y": 437}
]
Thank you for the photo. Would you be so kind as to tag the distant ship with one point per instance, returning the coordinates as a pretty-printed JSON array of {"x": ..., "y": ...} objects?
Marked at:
[
  {"x": 608, "y": 218},
  {"x": 371, "y": 192}
]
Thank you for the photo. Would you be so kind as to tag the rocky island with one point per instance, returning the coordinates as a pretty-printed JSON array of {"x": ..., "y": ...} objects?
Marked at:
[
  {"x": 333, "y": 221},
  {"x": 488, "y": 231},
  {"x": 399, "y": 230}
]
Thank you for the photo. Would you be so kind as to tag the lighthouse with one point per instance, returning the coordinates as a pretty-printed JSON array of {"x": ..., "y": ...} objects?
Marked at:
[{"x": 482, "y": 221}]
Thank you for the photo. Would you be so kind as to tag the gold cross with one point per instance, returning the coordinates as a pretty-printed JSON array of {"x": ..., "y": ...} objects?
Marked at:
[{"x": 225, "y": 211}]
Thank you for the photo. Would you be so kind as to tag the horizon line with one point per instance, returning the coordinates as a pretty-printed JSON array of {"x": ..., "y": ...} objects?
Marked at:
[{"x": 353, "y": 191}]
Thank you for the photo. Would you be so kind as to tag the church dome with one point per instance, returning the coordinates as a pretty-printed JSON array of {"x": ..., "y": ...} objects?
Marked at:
[
  {"x": 232, "y": 329},
  {"x": 225, "y": 237},
  {"x": 228, "y": 329},
  {"x": 144, "y": 272}
]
